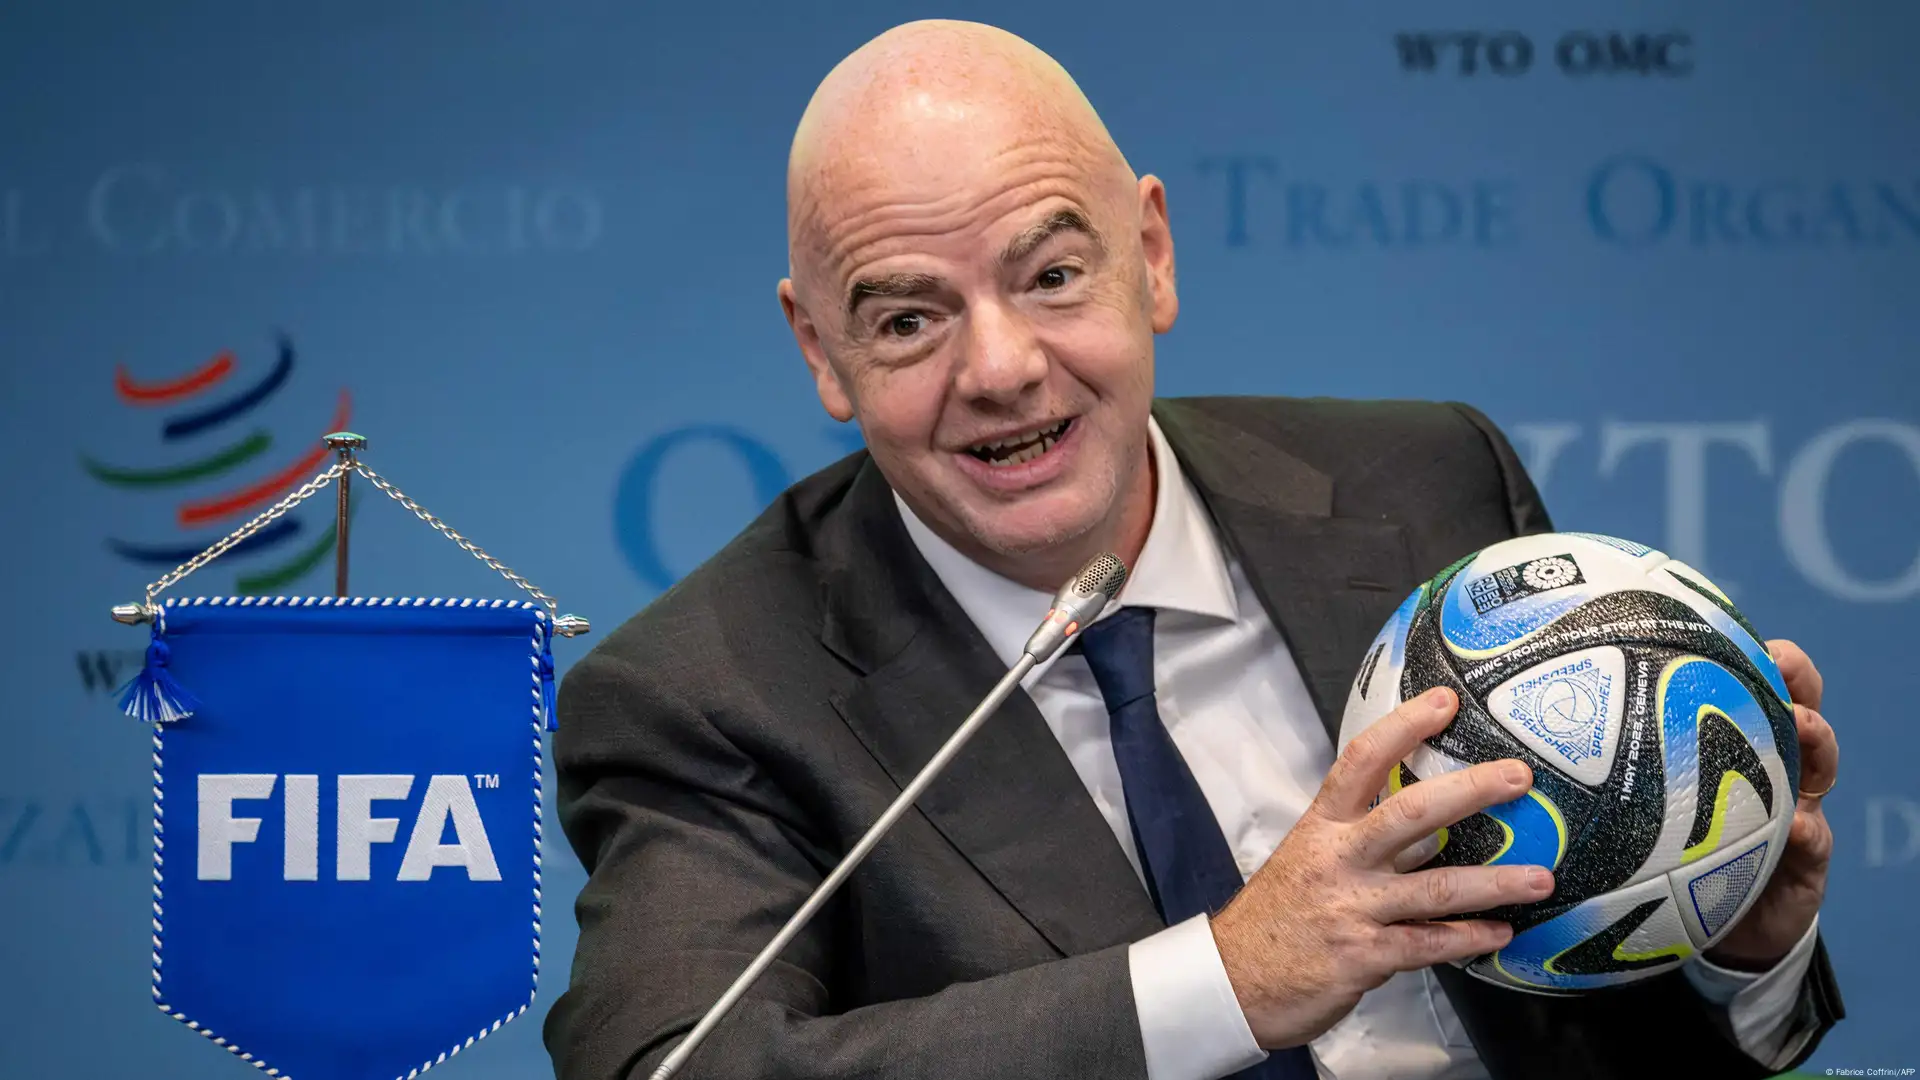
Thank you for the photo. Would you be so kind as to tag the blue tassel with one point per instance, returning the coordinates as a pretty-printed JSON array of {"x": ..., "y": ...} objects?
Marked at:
[
  {"x": 153, "y": 696},
  {"x": 548, "y": 706}
]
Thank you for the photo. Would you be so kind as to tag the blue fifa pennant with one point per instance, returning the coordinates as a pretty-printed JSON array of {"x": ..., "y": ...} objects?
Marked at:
[{"x": 347, "y": 827}]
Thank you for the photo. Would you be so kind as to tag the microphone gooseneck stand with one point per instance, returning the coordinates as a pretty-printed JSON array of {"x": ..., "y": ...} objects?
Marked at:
[{"x": 1080, "y": 602}]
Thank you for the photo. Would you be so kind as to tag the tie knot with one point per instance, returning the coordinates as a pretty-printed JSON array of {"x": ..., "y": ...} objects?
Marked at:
[{"x": 1119, "y": 649}]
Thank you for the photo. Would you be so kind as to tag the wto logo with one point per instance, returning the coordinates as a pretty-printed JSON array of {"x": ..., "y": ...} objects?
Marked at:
[{"x": 209, "y": 426}]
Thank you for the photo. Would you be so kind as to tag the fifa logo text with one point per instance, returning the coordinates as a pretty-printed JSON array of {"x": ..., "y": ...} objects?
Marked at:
[{"x": 448, "y": 798}]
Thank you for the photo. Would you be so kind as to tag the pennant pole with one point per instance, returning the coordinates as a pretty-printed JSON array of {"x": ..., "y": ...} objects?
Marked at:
[{"x": 344, "y": 443}]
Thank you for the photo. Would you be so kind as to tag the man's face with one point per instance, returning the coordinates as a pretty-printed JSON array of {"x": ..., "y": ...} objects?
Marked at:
[{"x": 987, "y": 314}]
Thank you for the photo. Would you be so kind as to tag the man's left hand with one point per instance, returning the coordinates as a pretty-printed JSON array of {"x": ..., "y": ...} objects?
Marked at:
[{"x": 1786, "y": 907}]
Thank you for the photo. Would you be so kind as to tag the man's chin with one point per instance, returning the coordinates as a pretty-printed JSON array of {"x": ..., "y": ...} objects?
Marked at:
[{"x": 1042, "y": 536}]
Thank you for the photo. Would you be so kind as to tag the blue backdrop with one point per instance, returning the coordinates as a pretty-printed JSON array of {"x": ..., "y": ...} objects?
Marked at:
[{"x": 531, "y": 252}]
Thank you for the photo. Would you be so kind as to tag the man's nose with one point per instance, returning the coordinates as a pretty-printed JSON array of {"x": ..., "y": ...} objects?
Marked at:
[{"x": 1002, "y": 359}]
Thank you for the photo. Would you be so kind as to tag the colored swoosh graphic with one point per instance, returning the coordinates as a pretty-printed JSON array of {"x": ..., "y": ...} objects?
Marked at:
[
  {"x": 1715, "y": 731},
  {"x": 1533, "y": 832},
  {"x": 1536, "y": 833},
  {"x": 268, "y": 581},
  {"x": 224, "y": 460},
  {"x": 237, "y": 406},
  {"x": 1605, "y": 952},
  {"x": 213, "y": 464},
  {"x": 202, "y": 511},
  {"x": 1577, "y": 950},
  {"x": 1476, "y": 637},
  {"x": 1741, "y": 632},
  {"x": 174, "y": 555},
  {"x": 163, "y": 391}
]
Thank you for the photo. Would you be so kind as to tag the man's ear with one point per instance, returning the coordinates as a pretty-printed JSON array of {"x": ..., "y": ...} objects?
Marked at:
[
  {"x": 1156, "y": 244},
  {"x": 833, "y": 396}
]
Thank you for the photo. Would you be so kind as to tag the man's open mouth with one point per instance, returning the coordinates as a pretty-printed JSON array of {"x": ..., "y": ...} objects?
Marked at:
[{"x": 1021, "y": 448}]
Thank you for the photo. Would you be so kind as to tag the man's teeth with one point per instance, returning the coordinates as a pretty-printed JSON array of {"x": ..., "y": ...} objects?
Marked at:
[
  {"x": 1030, "y": 445},
  {"x": 1020, "y": 456}
]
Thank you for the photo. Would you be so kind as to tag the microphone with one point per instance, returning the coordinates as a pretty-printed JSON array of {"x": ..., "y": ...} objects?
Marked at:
[{"x": 1077, "y": 603}]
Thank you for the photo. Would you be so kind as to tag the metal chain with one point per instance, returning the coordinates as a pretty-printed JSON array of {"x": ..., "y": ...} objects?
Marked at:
[
  {"x": 295, "y": 498},
  {"x": 466, "y": 545},
  {"x": 307, "y": 491}
]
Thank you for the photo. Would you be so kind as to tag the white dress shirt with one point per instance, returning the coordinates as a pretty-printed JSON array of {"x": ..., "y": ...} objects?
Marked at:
[{"x": 1234, "y": 703}]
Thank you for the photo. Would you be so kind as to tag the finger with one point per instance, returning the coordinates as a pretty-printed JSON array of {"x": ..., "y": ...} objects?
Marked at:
[
  {"x": 1412, "y": 946},
  {"x": 1360, "y": 771},
  {"x": 1416, "y": 855},
  {"x": 1460, "y": 890},
  {"x": 1804, "y": 683},
  {"x": 1420, "y": 809},
  {"x": 1809, "y": 838},
  {"x": 1819, "y": 753}
]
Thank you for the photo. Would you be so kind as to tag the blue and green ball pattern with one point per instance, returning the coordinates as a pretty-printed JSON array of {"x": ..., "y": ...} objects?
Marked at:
[{"x": 1657, "y": 856}]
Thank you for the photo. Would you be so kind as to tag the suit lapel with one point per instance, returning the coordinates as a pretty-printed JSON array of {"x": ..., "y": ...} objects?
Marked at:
[
  {"x": 1327, "y": 582},
  {"x": 1010, "y": 801}
]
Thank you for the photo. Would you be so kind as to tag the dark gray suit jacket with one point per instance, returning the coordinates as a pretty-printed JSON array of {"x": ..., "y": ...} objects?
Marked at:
[{"x": 719, "y": 752}]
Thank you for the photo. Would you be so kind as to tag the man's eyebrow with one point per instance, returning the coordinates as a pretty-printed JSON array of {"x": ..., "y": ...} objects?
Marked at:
[
  {"x": 1062, "y": 221},
  {"x": 889, "y": 285}
]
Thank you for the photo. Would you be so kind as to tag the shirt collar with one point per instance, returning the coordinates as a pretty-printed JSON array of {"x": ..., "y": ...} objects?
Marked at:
[{"x": 1180, "y": 567}]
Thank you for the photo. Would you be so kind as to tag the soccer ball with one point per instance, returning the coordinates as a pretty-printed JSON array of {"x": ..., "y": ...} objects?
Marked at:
[{"x": 1660, "y": 733}]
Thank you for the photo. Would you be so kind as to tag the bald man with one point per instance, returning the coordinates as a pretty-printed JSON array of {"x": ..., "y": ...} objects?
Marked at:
[{"x": 1151, "y": 863}]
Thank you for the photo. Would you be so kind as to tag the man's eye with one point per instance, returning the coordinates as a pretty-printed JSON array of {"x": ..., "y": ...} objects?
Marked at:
[
  {"x": 1055, "y": 277},
  {"x": 906, "y": 324}
]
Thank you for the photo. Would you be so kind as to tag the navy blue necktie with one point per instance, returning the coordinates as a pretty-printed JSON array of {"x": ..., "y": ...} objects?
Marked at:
[{"x": 1189, "y": 866}]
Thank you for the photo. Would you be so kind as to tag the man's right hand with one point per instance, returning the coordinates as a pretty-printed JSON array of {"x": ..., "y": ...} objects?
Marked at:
[{"x": 1328, "y": 918}]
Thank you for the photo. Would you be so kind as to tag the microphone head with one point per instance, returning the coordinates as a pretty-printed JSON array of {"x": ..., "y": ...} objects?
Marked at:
[
  {"x": 1104, "y": 575},
  {"x": 1078, "y": 603}
]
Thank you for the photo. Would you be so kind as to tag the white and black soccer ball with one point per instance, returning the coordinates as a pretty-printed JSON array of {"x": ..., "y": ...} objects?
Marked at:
[{"x": 1660, "y": 733}]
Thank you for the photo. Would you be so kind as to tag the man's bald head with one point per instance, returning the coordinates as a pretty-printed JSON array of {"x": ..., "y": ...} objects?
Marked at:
[
  {"x": 977, "y": 278},
  {"x": 927, "y": 98}
]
